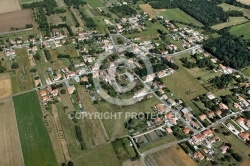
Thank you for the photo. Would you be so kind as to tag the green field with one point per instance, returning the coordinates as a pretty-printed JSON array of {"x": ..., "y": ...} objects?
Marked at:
[
  {"x": 103, "y": 155},
  {"x": 179, "y": 15},
  {"x": 242, "y": 29},
  {"x": 182, "y": 84},
  {"x": 28, "y": 1},
  {"x": 36, "y": 145},
  {"x": 246, "y": 71},
  {"x": 232, "y": 21},
  {"x": 95, "y": 3},
  {"x": 227, "y": 7},
  {"x": 21, "y": 78},
  {"x": 115, "y": 127}
]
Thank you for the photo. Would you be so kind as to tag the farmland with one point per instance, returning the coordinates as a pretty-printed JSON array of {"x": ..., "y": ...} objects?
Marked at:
[
  {"x": 95, "y": 3},
  {"x": 9, "y": 6},
  {"x": 242, "y": 29},
  {"x": 11, "y": 152},
  {"x": 227, "y": 7},
  {"x": 8, "y": 20},
  {"x": 5, "y": 86},
  {"x": 173, "y": 156},
  {"x": 232, "y": 21},
  {"x": 103, "y": 155},
  {"x": 35, "y": 141}
]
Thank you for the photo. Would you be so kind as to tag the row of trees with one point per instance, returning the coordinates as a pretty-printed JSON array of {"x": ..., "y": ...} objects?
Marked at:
[
  {"x": 233, "y": 51},
  {"x": 74, "y": 2}
]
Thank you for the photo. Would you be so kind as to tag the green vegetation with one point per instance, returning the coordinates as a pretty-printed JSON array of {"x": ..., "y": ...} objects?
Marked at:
[
  {"x": 179, "y": 15},
  {"x": 123, "y": 11},
  {"x": 115, "y": 127},
  {"x": 246, "y": 71},
  {"x": 182, "y": 84},
  {"x": 204, "y": 11},
  {"x": 241, "y": 30},
  {"x": 124, "y": 150},
  {"x": 103, "y": 155},
  {"x": 226, "y": 7},
  {"x": 95, "y": 3},
  {"x": 237, "y": 56},
  {"x": 35, "y": 141}
]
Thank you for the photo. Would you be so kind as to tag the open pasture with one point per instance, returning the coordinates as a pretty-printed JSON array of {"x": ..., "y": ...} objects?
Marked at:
[
  {"x": 15, "y": 19},
  {"x": 242, "y": 29}
]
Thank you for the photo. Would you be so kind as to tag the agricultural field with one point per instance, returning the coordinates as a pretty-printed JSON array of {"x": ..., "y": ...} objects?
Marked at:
[
  {"x": 9, "y": 6},
  {"x": 172, "y": 156},
  {"x": 5, "y": 85},
  {"x": 182, "y": 84},
  {"x": 227, "y": 7},
  {"x": 21, "y": 78},
  {"x": 232, "y": 21},
  {"x": 8, "y": 20},
  {"x": 246, "y": 71},
  {"x": 35, "y": 141},
  {"x": 247, "y": 2},
  {"x": 103, "y": 155},
  {"x": 115, "y": 127},
  {"x": 68, "y": 49},
  {"x": 11, "y": 152},
  {"x": 242, "y": 29}
]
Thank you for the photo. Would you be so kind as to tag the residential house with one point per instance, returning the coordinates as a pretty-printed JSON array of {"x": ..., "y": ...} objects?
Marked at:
[
  {"x": 186, "y": 130},
  {"x": 198, "y": 155},
  {"x": 171, "y": 102},
  {"x": 169, "y": 131},
  {"x": 224, "y": 149},
  {"x": 244, "y": 136},
  {"x": 203, "y": 117}
]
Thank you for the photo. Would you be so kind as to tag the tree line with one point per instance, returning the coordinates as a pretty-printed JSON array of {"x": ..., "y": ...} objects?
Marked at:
[{"x": 49, "y": 6}]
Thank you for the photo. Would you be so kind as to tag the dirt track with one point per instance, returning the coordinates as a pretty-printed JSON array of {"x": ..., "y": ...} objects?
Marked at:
[{"x": 10, "y": 146}]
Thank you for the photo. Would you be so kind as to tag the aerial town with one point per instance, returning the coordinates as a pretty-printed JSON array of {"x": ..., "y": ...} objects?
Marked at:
[{"x": 125, "y": 82}]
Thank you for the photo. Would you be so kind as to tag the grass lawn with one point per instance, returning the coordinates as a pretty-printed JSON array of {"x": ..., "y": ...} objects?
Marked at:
[
  {"x": 28, "y": 1},
  {"x": 95, "y": 3},
  {"x": 115, "y": 127},
  {"x": 21, "y": 79},
  {"x": 182, "y": 84},
  {"x": 68, "y": 49},
  {"x": 179, "y": 15},
  {"x": 238, "y": 146},
  {"x": 242, "y": 29},
  {"x": 103, "y": 155},
  {"x": 100, "y": 24},
  {"x": 246, "y": 70},
  {"x": 56, "y": 19},
  {"x": 232, "y": 21},
  {"x": 36, "y": 145}
]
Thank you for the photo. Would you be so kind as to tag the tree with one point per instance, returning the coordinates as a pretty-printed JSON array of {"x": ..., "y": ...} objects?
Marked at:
[
  {"x": 37, "y": 57},
  {"x": 63, "y": 91},
  {"x": 33, "y": 70},
  {"x": 70, "y": 163},
  {"x": 15, "y": 65},
  {"x": 47, "y": 54}
]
